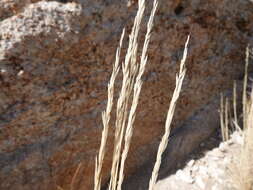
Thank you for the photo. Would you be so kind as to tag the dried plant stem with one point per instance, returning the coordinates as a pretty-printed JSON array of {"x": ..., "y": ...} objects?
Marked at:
[
  {"x": 226, "y": 132},
  {"x": 235, "y": 103},
  {"x": 75, "y": 176},
  {"x": 165, "y": 138},
  {"x": 222, "y": 117},
  {"x": 131, "y": 87},
  {"x": 129, "y": 68},
  {"x": 242, "y": 170},
  {"x": 106, "y": 115},
  {"x": 136, "y": 94},
  {"x": 245, "y": 83}
]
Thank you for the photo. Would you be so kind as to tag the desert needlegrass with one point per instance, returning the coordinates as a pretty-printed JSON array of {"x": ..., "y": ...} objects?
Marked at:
[
  {"x": 224, "y": 118},
  {"x": 132, "y": 71},
  {"x": 136, "y": 95},
  {"x": 235, "y": 102},
  {"x": 241, "y": 170},
  {"x": 245, "y": 83},
  {"x": 106, "y": 115},
  {"x": 243, "y": 164},
  {"x": 165, "y": 138},
  {"x": 131, "y": 86},
  {"x": 129, "y": 69},
  {"x": 127, "y": 101}
]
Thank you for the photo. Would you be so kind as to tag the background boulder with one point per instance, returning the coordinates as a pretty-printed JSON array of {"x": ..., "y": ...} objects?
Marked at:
[{"x": 55, "y": 62}]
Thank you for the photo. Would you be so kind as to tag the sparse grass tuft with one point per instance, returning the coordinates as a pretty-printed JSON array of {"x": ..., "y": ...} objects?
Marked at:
[
  {"x": 224, "y": 119},
  {"x": 128, "y": 101},
  {"x": 242, "y": 167},
  {"x": 165, "y": 138},
  {"x": 241, "y": 170},
  {"x": 243, "y": 164}
]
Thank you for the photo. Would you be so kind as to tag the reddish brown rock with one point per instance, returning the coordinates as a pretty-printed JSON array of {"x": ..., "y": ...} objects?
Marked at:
[{"x": 56, "y": 59}]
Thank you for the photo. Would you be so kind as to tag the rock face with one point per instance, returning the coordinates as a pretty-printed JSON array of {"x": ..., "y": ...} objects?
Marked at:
[{"x": 56, "y": 59}]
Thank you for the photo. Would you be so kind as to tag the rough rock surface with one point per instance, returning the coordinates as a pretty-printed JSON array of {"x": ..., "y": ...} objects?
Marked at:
[
  {"x": 9, "y": 8},
  {"x": 55, "y": 62}
]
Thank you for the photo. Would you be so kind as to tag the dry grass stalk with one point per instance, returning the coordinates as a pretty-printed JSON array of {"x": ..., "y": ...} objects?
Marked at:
[
  {"x": 235, "y": 120},
  {"x": 136, "y": 95},
  {"x": 129, "y": 68},
  {"x": 75, "y": 176},
  {"x": 224, "y": 118},
  {"x": 131, "y": 86},
  {"x": 165, "y": 138},
  {"x": 106, "y": 115},
  {"x": 245, "y": 84},
  {"x": 235, "y": 103},
  {"x": 242, "y": 170}
]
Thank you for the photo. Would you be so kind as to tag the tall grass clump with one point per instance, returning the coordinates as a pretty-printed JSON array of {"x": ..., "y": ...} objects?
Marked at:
[
  {"x": 127, "y": 102},
  {"x": 165, "y": 138},
  {"x": 227, "y": 122},
  {"x": 224, "y": 118},
  {"x": 241, "y": 170},
  {"x": 243, "y": 164}
]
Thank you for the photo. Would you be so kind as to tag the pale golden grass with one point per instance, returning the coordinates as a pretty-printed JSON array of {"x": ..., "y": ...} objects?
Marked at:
[
  {"x": 235, "y": 118},
  {"x": 136, "y": 95},
  {"x": 235, "y": 103},
  {"x": 127, "y": 102},
  {"x": 241, "y": 170},
  {"x": 106, "y": 116},
  {"x": 224, "y": 118},
  {"x": 131, "y": 87},
  {"x": 245, "y": 84},
  {"x": 130, "y": 69},
  {"x": 242, "y": 167},
  {"x": 164, "y": 142}
]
